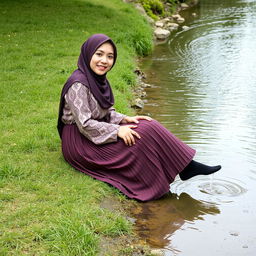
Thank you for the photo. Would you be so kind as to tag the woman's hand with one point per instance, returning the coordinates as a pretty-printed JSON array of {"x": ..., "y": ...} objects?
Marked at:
[
  {"x": 127, "y": 134},
  {"x": 135, "y": 119}
]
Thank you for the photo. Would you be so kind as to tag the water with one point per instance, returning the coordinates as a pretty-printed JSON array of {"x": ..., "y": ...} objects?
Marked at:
[{"x": 204, "y": 90}]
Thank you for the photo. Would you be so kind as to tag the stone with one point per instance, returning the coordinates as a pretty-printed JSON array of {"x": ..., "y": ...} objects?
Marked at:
[
  {"x": 172, "y": 26},
  {"x": 143, "y": 94},
  {"x": 185, "y": 27},
  {"x": 161, "y": 33},
  {"x": 194, "y": 14},
  {"x": 180, "y": 20},
  {"x": 140, "y": 73},
  {"x": 145, "y": 85},
  {"x": 165, "y": 20},
  {"x": 138, "y": 103},
  {"x": 184, "y": 6},
  {"x": 157, "y": 252},
  {"x": 159, "y": 24},
  {"x": 140, "y": 92},
  {"x": 234, "y": 233},
  {"x": 176, "y": 16}
]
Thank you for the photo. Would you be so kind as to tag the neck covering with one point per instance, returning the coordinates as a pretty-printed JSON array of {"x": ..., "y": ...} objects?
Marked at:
[{"x": 98, "y": 84}]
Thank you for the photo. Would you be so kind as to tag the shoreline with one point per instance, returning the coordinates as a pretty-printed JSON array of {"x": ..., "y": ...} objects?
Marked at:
[
  {"x": 162, "y": 30},
  {"x": 140, "y": 94}
]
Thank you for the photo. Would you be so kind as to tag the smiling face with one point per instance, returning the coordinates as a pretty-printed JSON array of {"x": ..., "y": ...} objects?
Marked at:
[{"x": 103, "y": 59}]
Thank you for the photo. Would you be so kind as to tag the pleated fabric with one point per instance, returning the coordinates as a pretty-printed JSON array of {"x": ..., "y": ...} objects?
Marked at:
[{"x": 143, "y": 171}]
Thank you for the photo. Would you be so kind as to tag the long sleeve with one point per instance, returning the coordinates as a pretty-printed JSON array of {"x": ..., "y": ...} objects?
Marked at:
[
  {"x": 87, "y": 114},
  {"x": 115, "y": 117}
]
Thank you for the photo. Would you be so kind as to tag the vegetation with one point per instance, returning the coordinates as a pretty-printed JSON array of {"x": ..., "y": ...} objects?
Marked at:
[
  {"x": 48, "y": 208},
  {"x": 160, "y": 8},
  {"x": 153, "y": 8}
]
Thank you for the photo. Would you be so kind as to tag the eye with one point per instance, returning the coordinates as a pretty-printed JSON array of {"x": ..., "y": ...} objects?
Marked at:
[
  {"x": 98, "y": 54},
  {"x": 111, "y": 57}
]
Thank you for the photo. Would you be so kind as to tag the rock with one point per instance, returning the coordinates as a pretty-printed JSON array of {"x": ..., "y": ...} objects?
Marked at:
[
  {"x": 176, "y": 16},
  {"x": 138, "y": 103},
  {"x": 159, "y": 24},
  {"x": 161, "y": 33},
  {"x": 194, "y": 2},
  {"x": 165, "y": 20},
  {"x": 185, "y": 27},
  {"x": 131, "y": 220},
  {"x": 172, "y": 26},
  {"x": 144, "y": 85},
  {"x": 184, "y": 6},
  {"x": 180, "y": 20},
  {"x": 143, "y": 94},
  {"x": 140, "y": 92},
  {"x": 194, "y": 14},
  {"x": 234, "y": 233},
  {"x": 157, "y": 252},
  {"x": 140, "y": 73}
]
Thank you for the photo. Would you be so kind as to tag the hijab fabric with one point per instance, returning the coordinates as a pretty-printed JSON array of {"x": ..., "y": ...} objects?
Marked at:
[{"x": 98, "y": 84}]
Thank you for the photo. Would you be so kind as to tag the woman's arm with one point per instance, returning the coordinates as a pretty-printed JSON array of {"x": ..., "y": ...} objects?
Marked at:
[
  {"x": 98, "y": 132},
  {"x": 115, "y": 117}
]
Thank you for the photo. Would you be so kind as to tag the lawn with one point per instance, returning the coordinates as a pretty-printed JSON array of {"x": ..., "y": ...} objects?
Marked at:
[{"x": 48, "y": 208}]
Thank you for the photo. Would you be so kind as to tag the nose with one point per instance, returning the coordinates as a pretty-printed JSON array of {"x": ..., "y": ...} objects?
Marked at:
[{"x": 104, "y": 59}]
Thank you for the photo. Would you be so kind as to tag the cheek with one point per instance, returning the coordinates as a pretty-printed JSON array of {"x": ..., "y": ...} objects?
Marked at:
[
  {"x": 92, "y": 62},
  {"x": 111, "y": 62}
]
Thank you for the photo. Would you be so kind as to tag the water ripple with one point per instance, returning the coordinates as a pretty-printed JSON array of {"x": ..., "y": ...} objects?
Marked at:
[
  {"x": 221, "y": 187},
  {"x": 221, "y": 190}
]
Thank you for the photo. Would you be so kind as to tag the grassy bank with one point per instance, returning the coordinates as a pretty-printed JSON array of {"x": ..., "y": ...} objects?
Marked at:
[{"x": 48, "y": 208}]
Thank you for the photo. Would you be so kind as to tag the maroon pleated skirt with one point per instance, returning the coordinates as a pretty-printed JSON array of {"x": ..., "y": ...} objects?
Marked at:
[{"x": 143, "y": 171}]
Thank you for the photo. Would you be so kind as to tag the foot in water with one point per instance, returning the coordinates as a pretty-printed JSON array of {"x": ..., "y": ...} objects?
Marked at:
[{"x": 195, "y": 168}]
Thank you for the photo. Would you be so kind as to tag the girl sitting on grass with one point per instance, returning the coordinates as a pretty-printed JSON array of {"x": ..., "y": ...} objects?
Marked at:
[{"x": 137, "y": 155}]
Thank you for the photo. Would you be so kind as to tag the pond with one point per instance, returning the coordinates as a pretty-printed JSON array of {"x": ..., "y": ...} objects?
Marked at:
[{"x": 204, "y": 91}]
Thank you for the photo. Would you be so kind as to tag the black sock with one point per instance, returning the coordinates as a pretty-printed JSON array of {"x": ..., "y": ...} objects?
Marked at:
[{"x": 195, "y": 168}]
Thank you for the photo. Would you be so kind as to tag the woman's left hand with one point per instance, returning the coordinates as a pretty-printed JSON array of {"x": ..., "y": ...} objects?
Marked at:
[{"x": 135, "y": 119}]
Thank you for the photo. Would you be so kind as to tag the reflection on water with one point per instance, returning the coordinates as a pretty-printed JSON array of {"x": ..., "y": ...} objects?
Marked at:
[
  {"x": 203, "y": 90},
  {"x": 158, "y": 220}
]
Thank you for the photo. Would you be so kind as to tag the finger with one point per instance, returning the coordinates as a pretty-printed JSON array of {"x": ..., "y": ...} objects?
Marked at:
[
  {"x": 132, "y": 126},
  {"x": 146, "y": 118},
  {"x": 125, "y": 141},
  {"x": 130, "y": 140},
  {"x": 136, "y": 134}
]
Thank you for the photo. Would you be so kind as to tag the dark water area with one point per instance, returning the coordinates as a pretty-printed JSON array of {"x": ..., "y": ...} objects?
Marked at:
[{"x": 204, "y": 91}]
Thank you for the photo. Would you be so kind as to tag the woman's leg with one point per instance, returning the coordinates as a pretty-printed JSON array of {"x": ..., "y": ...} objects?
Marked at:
[{"x": 194, "y": 168}]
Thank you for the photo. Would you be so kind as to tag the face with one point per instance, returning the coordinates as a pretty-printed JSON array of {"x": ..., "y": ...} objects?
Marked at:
[{"x": 103, "y": 59}]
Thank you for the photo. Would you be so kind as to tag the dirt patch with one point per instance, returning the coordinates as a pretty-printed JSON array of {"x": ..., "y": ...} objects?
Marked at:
[{"x": 124, "y": 245}]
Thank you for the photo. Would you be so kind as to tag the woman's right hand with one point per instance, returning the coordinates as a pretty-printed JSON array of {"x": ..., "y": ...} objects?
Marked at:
[{"x": 127, "y": 133}]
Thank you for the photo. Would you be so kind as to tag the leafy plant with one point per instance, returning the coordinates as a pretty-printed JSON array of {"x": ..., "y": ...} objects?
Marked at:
[{"x": 153, "y": 8}]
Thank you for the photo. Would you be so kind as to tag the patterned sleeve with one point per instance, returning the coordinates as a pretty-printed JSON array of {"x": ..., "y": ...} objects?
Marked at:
[
  {"x": 115, "y": 117},
  {"x": 98, "y": 132}
]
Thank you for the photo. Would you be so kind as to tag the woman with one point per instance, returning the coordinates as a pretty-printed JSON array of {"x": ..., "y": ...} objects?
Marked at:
[{"x": 136, "y": 154}]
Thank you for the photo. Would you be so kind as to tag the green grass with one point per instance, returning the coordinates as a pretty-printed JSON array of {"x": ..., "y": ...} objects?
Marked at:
[{"x": 48, "y": 208}]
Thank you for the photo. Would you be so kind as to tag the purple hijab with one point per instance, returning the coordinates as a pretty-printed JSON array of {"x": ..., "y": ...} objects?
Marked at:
[{"x": 98, "y": 85}]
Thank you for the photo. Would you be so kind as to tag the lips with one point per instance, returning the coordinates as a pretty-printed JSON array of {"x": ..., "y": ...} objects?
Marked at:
[{"x": 101, "y": 68}]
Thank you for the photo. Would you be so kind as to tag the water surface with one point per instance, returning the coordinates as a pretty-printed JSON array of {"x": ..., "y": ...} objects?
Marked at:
[{"x": 204, "y": 90}]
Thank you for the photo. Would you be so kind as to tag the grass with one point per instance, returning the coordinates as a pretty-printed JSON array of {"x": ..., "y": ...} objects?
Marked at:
[{"x": 48, "y": 208}]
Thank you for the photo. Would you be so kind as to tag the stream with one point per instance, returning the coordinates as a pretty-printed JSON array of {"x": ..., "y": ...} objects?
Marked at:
[{"x": 203, "y": 89}]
